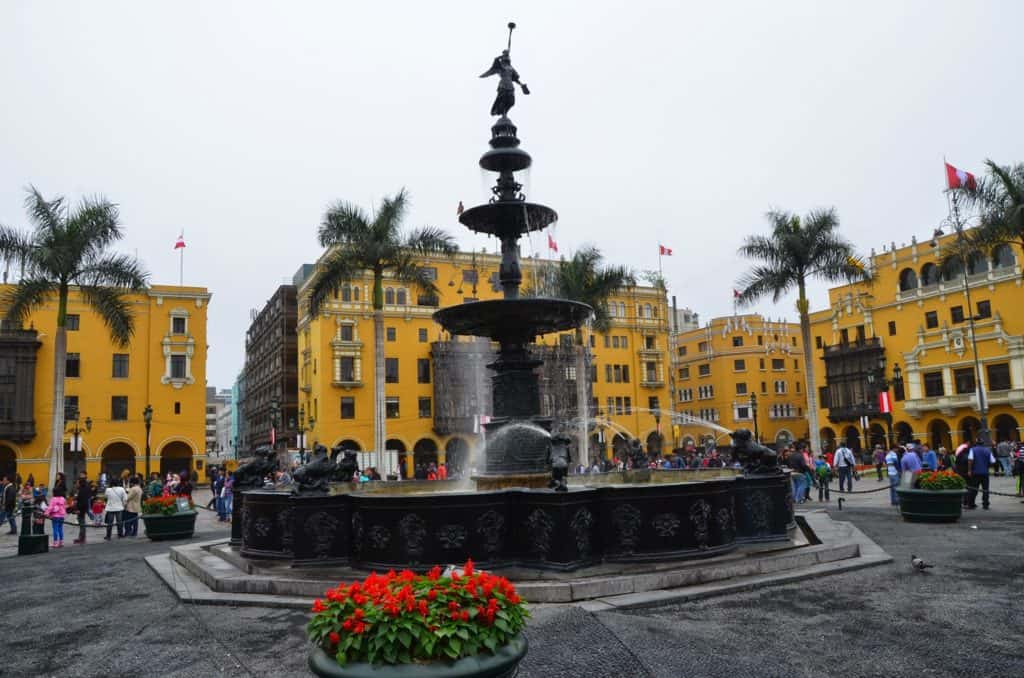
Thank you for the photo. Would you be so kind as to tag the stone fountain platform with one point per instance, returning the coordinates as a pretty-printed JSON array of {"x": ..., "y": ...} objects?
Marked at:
[{"x": 211, "y": 573}]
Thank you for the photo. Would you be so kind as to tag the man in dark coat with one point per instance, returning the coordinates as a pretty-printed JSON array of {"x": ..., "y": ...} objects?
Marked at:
[
  {"x": 83, "y": 500},
  {"x": 8, "y": 503}
]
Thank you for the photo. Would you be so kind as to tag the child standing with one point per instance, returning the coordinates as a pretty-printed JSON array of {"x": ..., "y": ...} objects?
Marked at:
[
  {"x": 97, "y": 511},
  {"x": 823, "y": 474},
  {"x": 56, "y": 512}
]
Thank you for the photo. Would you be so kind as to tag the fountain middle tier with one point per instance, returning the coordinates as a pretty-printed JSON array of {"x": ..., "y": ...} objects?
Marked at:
[
  {"x": 508, "y": 218},
  {"x": 513, "y": 319}
]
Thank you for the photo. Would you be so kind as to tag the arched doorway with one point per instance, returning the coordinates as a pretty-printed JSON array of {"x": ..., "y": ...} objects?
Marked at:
[
  {"x": 8, "y": 462},
  {"x": 345, "y": 445},
  {"x": 397, "y": 446},
  {"x": 654, "y": 441},
  {"x": 620, "y": 447},
  {"x": 175, "y": 457},
  {"x": 1006, "y": 428},
  {"x": 118, "y": 458},
  {"x": 424, "y": 453},
  {"x": 938, "y": 435},
  {"x": 828, "y": 440},
  {"x": 851, "y": 437},
  {"x": 876, "y": 435},
  {"x": 456, "y": 457},
  {"x": 596, "y": 448},
  {"x": 782, "y": 439},
  {"x": 969, "y": 428},
  {"x": 904, "y": 434},
  {"x": 74, "y": 463}
]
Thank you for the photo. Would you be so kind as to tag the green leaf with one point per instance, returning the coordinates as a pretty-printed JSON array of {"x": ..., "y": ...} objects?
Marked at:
[
  {"x": 404, "y": 637},
  {"x": 454, "y": 654},
  {"x": 500, "y": 623},
  {"x": 455, "y": 644},
  {"x": 490, "y": 643},
  {"x": 462, "y": 633}
]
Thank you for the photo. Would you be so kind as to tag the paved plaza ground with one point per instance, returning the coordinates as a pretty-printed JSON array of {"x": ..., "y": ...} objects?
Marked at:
[{"x": 98, "y": 610}]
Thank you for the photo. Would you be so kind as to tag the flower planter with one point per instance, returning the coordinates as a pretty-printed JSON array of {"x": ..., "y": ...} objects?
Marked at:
[
  {"x": 175, "y": 526},
  {"x": 502, "y": 664},
  {"x": 930, "y": 506}
]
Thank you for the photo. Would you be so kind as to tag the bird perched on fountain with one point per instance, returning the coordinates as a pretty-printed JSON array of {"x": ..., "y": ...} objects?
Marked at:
[{"x": 918, "y": 564}]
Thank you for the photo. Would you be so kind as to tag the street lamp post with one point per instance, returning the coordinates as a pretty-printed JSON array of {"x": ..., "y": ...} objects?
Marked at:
[
  {"x": 876, "y": 375},
  {"x": 753, "y": 409},
  {"x": 147, "y": 416},
  {"x": 76, "y": 431}
]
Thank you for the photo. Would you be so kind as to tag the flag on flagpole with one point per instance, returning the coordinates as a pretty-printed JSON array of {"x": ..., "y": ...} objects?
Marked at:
[
  {"x": 664, "y": 251},
  {"x": 957, "y": 178},
  {"x": 884, "y": 402},
  {"x": 552, "y": 245},
  {"x": 736, "y": 294},
  {"x": 459, "y": 210},
  {"x": 180, "y": 242}
]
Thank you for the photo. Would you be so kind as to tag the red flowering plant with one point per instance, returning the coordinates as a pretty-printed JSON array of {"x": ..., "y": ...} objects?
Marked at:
[
  {"x": 399, "y": 618},
  {"x": 939, "y": 480},
  {"x": 165, "y": 506}
]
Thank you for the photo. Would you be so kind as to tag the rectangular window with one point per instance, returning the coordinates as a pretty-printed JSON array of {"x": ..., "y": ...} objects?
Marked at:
[
  {"x": 931, "y": 319},
  {"x": 390, "y": 334},
  {"x": 617, "y": 371},
  {"x": 347, "y": 368},
  {"x": 623, "y": 343},
  {"x": 998, "y": 377},
  {"x": 860, "y": 334},
  {"x": 71, "y": 321},
  {"x": 704, "y": 370},
  {"x": 627, "y": 404},
  {"x": 424, "y": 408},
  {"x": 796, "y": 365},
  {"x": 760, "y": 364},
  {"x": 429, "y": 272},
  {"x": 178, "y": 325},
  {"x": 739, "y": 365},
  {"x": 741, "y": 388},
  {"x": 422, "y": 370},
  {"x": 119, "y": 408},
  {"x": 615, "y": 341},
  {"x": 618, "y": 405},
  {"x": 892, "y": 328},
  {"x": 625, "y": 374},
  {"x": 817, "y": 342},
  {"x": 764, "y": 387},
  {"x": 778, "y": 363},
  {"x": 72, "y": 365},
  {"x": 649, "y": 343},
  {"x": 348, "y": 332},
  {"x": 844, "y": 336},
  {"x": 348, "y": 407},
  {"x": 390, "y": 370},
  {"x": 933, "y": 387},
  {"x": 963, "y": 379},
  {"x": 681, "y": 351},
  {"x": 985, "y": 309},
  {"x": 780, "y": 386},
  {"x": 702, "y": 347},
  {"x": 120, "y": 366},
  {"x": 71, "y": 408},
  {"x": 177, "y": 407},
  {"x": 178, "y": 366},
  {"x": 427, "y": 299},
  {"x": 684, "y": 372},
  {"x": 956, "y": 314},
  {"x": 737, "y": 341},
  {"x": 391, "y": 407},
  {"x": 611, "y": 406},
  {"x": 760, "y": 340},
  {"x": 652, "y": 371},
  {"x": 607, "y": 341},
  {"x": 422, "y": 333},
  {"x": 608, "y": 373},
  {"x": 743, "y": 413}
]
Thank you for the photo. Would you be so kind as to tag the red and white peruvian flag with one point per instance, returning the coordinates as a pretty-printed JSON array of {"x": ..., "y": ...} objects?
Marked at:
[
  {"x": 664, "y": 251},
  {"x": 180, "y": 242},
  {"x": 552, "y": 245},
  {"x": 884, "y": 402},
  {"x": 957, "y": 178}
]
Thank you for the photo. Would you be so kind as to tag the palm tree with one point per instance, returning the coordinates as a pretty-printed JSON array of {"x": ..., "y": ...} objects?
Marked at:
[
  {"x": 374, "y": 242},
  {"x": 999, "y": 199},
  {"x": 583, "y": 278},
  {"x": 70, "y": 248},
  {"x": 797, "y": 251}
]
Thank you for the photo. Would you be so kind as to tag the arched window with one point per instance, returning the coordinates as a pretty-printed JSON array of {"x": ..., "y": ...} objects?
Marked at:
[
  {"x": 908, "y": 280},
  {"x": 929, "y": 275},
  {"x": 389, "y": 296},
  {"x": 355, "y": 293},
  {"x": 346, "y": 292},
  {"x": 953, "y": 271},
  {"x": 647, "y": 310},
  {"x": 400, "y": 297},
  {"x": 622, "y": 309},
  {"x": 1002, "y": 257},
  {"x": 977, "y": 263}
]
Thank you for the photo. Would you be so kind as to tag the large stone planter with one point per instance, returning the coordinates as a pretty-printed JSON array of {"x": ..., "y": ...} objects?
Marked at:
[
  {"x": 502, "y": 664},
  {"x": 930, "y": 506},
  {"x": 175, "y": 526}
]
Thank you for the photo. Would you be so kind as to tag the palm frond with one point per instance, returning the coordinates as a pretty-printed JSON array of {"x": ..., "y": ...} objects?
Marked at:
[
  {"x": 341, "y": 267},
  {"x": 344, "y": 223},
  {"x": 96, "y": 223},
  {"x": 406, "y": 269},
  {"x": 762, "y": 281},
  {"x": 15, "y": 246},
  {"x": 115, "y": 310},
  {"x": 21, "y": 299},
  {"x": 114, "y": 270},
  {"x": 388, "y": 218},
  {"x": 429, "y": 240},
  {"x": 44, "y": 214}
]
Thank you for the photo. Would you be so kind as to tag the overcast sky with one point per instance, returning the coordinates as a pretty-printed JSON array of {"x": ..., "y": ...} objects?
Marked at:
[{"x": 679, "y": 123}]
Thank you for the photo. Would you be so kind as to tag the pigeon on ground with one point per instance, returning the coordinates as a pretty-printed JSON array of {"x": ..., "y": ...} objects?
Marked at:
[{"x": 919, "y": 564}]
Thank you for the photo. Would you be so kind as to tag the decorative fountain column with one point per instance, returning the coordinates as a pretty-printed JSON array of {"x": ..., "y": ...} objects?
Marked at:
[{"x": 515, "y": 445}]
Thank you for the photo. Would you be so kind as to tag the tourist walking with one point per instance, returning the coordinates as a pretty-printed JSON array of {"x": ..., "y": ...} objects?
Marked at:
[
  {"x": 879, "y": 458},
  {"x": 116, "y": 499},
  {"x": 798, "y": 465},
  {"x": 892, "y": 469},
  {"x": 215, "y": 482},
  {"x": 929, "y": 459},
  {"x": 56, "y": 512},
  {"x": 1004, "y": 450},
  {"x": 132, "y": 508},
  {"x": 844, "y": 467},
  {"x": 979, "y": 459},
  {"x": 83, "y": 499},
  {"x": 9, "y": 503},
  {"x": 227, "y": 497},
  {"x": 823, "y": 474}
]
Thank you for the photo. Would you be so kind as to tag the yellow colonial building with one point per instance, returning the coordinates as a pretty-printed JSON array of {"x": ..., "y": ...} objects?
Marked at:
[
  {"x": 107, "y": 387},
  {"x": 437, "y": 387},
  {"x": 908, "y": 334},
  {"x": 732, "y": 368}
]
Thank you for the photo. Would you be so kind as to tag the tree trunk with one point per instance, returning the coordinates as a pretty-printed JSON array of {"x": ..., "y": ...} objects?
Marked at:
[
  {"x": 814, "y": 433},
  {"x": 582, "y": 402},
  {"x": 60, "y": 355},
  {"x": 380, "y": 410}
]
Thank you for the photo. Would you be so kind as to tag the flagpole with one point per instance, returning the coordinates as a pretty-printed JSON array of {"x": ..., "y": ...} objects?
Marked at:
[{"x": 181, "y": 267}]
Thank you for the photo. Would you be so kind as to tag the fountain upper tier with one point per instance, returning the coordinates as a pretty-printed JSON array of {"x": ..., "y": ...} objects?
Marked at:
[{"x": 508, "y": 219}]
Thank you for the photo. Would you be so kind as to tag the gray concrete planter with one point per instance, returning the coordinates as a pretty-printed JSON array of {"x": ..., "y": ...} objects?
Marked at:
[
  {"x": 930, "y": 506},
  {"x": 175, "y": 526},
  {"x": 502, "y": 664}
]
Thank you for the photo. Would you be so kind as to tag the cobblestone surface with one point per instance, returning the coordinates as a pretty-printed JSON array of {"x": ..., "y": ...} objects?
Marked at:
[{"x": 98, "y": 611}]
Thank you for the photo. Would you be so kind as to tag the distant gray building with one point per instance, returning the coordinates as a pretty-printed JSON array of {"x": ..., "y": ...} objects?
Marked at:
[{"x": 216, "y": 402}]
